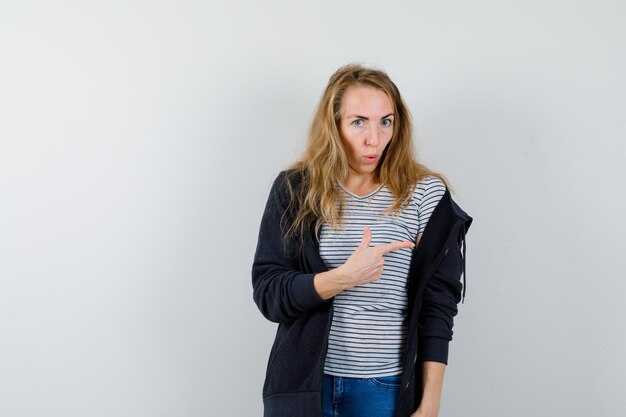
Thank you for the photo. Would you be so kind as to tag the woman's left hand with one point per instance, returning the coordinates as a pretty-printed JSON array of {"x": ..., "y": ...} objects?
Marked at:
[
  {"x": 427, "y": 409},
  {"x": 424, "y": 412}
]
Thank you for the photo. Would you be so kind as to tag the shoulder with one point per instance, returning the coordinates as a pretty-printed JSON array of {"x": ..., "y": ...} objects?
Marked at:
[
  {"x": 428, "y": 191},
  {"x": 288, "y": 177},
  {"x": 430, "y": 183},
  {"x": 284, "y": 185}
]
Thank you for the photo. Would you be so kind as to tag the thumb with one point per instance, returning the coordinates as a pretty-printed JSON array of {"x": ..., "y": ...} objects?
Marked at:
[{"x": 367, "y": 238}]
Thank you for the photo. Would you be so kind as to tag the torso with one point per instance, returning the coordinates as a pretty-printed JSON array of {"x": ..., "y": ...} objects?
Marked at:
[{"x": 368, "y": 330}]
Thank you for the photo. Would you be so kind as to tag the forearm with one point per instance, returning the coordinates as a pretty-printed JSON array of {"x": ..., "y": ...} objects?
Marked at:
[
  {"x": 432, "y": 385},
  {"x": 328, "y": 284}
]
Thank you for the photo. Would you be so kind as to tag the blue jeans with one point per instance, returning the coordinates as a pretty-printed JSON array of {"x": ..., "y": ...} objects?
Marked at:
[{"x": 360, "y": 397}]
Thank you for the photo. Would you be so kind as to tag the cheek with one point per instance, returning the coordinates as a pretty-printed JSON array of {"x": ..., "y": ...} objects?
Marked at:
[
  {"x": 388, "y": 140},
  {"x": 349, "y": 141},
  {"x": 350, "y": 148}
]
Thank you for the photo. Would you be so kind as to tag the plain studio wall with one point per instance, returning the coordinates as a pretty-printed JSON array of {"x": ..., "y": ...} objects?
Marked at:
[{"x": 139, "y": 140}]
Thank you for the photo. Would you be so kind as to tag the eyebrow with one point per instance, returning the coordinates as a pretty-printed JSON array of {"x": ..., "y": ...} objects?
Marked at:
[{"x": 367, "y": 118}]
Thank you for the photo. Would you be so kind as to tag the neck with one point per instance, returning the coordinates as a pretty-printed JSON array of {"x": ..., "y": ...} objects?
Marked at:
[{"x": 360, "y": 183}]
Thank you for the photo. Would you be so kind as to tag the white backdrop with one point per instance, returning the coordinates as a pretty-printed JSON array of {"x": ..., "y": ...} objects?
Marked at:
[{"x": 139, "y": 139}]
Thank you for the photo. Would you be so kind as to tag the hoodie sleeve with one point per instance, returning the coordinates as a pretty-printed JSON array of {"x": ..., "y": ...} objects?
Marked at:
[
  {"x": 439, "y": 303},
  {"x": 281, "y": 292}
]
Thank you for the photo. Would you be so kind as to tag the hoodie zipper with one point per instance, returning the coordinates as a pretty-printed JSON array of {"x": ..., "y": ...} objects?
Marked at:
[
  {"x": 443, "y": 253},
  {"x": 325, "y": 350}
]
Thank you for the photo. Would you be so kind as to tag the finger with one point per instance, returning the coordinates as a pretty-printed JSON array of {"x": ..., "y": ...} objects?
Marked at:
[
  {"x": 390, "y": 247},
  {"x": 367, "y": 238}
]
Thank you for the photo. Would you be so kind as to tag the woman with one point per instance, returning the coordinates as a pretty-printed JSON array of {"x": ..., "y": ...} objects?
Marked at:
[{"x": 359, "y": 260}]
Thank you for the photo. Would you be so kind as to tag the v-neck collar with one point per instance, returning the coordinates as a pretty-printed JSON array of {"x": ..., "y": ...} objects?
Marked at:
[{"x": 360, "y": 197}]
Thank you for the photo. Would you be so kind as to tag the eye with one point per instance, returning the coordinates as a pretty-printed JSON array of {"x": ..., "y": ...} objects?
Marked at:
[
  {"x": 357, "y": 122},
  {"x": 386, "y": 122}
]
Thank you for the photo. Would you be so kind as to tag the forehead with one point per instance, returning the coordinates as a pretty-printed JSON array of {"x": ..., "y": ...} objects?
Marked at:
[{"x": 365, "y": 101}]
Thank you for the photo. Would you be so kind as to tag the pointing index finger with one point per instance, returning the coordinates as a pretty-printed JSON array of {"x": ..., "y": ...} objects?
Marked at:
[{"x": 390, "y": 247}]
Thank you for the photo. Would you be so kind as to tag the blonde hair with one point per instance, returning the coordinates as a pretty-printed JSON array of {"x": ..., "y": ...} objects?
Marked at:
[{"x": 314, "y": 198}]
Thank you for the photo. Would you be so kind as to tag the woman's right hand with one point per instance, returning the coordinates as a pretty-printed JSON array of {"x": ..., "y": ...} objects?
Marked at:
[{"x": 363, "y": 266}]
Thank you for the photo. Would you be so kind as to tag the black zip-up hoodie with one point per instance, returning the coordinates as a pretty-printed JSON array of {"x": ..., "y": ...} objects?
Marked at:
[{"x": 284, "y": 292}]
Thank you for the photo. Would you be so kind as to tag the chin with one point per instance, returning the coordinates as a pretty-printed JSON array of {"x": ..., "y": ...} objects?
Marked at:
[{"x": 368, "y": 169}]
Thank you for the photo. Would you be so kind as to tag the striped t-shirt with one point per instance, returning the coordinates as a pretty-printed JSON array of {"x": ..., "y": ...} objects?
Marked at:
[{"x": 368, "y": 331}]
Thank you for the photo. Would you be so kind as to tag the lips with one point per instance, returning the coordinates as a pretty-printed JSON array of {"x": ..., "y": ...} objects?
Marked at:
[{"x": 370, "y": 158}]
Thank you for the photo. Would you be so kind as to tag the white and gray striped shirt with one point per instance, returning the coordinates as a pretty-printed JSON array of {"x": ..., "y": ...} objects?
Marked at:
[{"x": 368, "y": 331}]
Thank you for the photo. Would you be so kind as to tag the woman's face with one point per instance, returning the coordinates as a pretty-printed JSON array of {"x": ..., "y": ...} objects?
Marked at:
[{"x": 366, "y": 126}]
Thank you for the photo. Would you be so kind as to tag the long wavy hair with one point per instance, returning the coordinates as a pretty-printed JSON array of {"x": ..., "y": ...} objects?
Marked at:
[{"x": 314, "y": 197}]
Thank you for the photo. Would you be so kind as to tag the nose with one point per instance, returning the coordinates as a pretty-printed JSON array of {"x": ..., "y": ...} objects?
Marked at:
[{"x": 372, "y": 137}]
